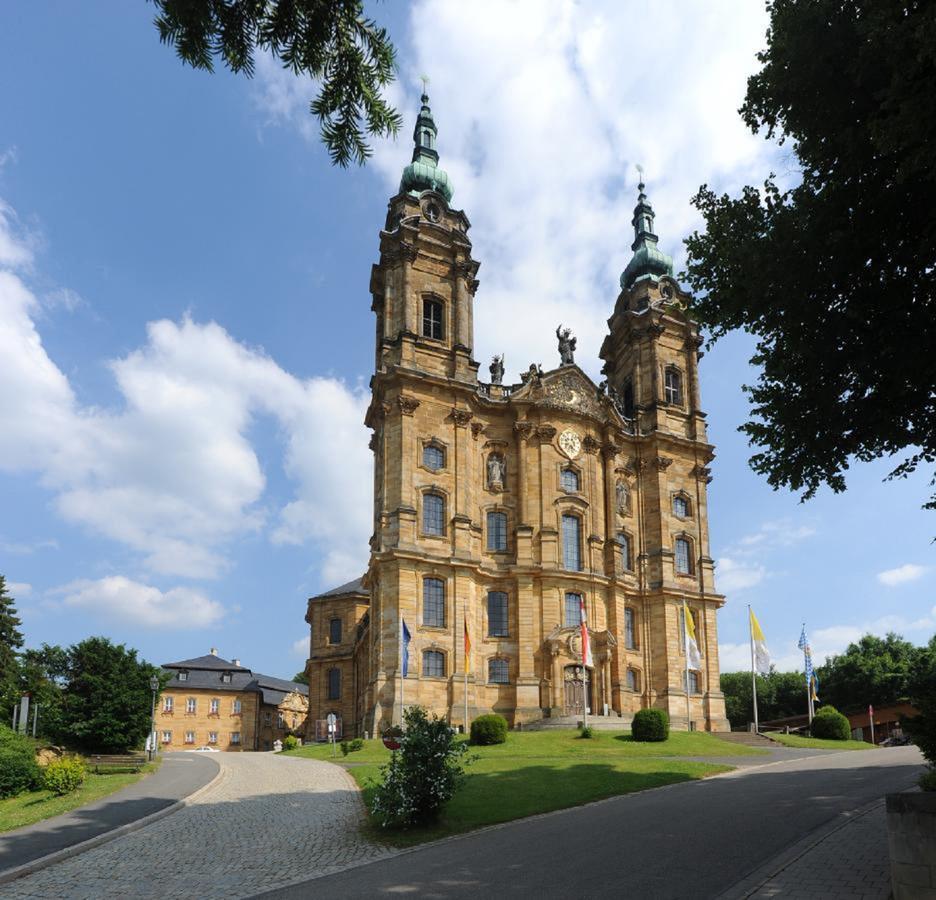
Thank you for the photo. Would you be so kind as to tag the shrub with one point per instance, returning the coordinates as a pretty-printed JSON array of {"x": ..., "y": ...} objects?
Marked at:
[
  {"x": 345, "y": 748},
  {"x": 357, "y": 744},
  {"x": 830, "y": 724},
  {"x": 489, "y": 729},
  {"x": 18, "y": 768},
  {"x": 922, "y": 728},
  {"x": 290, "y": 742},
  {"x": 650, "y": 725},
  {"x": 927, "y": 780},
  {"x": 62, "y": 776},
  {"x": 422, "y": 776},
  {"x": 586, "y": 732}
]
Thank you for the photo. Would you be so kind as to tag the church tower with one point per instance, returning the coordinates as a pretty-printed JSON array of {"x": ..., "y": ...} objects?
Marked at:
[{"x": 505, "y": 514}]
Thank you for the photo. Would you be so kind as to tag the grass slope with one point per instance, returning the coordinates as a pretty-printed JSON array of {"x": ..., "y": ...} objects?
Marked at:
[
  {"x": 34, "y": 806},
  {"x": 542, "y": 771},
  {"x": 795, "y": 740}
]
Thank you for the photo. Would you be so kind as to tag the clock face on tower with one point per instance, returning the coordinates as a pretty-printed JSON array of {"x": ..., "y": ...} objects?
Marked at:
[{"x": 570, "y": 443}]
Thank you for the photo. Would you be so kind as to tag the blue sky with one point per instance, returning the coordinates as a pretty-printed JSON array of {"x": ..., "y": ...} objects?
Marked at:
[{"x": 185, "y": 328}]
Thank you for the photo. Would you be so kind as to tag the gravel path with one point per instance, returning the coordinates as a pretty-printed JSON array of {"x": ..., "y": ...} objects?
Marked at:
[{"x": 269, "y": 820}]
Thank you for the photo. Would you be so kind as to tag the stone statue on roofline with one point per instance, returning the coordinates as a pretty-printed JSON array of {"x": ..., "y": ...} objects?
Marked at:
[
  {"x": 497, "y": 370},
  {"x": 566, "y": 346}
]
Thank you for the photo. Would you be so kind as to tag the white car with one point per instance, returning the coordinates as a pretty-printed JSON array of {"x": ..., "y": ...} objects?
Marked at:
[{"x": 206, "y": 749}]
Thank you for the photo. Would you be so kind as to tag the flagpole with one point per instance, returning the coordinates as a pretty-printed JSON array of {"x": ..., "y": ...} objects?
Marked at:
[
  {"x": 685, "y": 623},
  {"x": 753, "y": 670},
  {"x": 401, "y": 670},
  {"x": 465, "y": 642}
]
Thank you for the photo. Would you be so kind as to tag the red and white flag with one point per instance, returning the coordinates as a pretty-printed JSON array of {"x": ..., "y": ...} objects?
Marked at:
[{"x": 586, "y": 644}]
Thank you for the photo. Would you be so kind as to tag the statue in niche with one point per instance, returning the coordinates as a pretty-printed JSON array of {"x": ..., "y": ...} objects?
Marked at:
[
  {"x": 496, "y": 472},
  {"x": 497, "y": 370},
  {"x": 566, "y": 346},
  {"x": 622, "y": 496}
]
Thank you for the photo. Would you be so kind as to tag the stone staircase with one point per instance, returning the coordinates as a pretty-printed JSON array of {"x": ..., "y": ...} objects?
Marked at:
[
  {"x": 748, "y": 738},
  {"x": 599, "y": 723}
]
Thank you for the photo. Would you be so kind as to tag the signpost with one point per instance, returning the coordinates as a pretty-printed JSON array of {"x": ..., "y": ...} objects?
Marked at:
[
  {"x": 332, "y": 727},
  {"x": 871, "y": 721}
]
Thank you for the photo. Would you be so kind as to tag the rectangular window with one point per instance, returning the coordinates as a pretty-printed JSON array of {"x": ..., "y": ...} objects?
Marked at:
[
  {"x": 433, "y": 457},
  {"x": 235, "y": 737},
  {"x": 167, "y": 737},
  {"x": 571, "y": 543},
  {"x": 236, "y": 708},
  {"x": 212, "y": 737},
  {"x": 693, "y": 681},
  {"x": 680, "y": 507},
  {"x": 215, "y": 706},
  {"x": 334, "y": 684},
  {"x": 498, "y": 671},
  {"x": 672, "y": 390},
  {"x": 433, "y": 514},
  {"x": 624, "y": 544},
  {"x": 630, "y": 636},
  {"x": 496, "y": 531},
  {"x": 434, "y": 602},
  {"x": 167, "y": 704},
  {"x": 190, "y": 705},
  {"x": 189, "y": 737},
  {"x": 226, "y": 678},
  {"x": 334, "y": 631},
  {"x": 573, "y": 610},
  {"x": 627, "y": 399},
  {"x": 267, "y": 718},
  {"x": 683, "y": 560},
  {"x": 183, "y": 676},
  {"x": 433, "y": 664},
  {"x": 432, "y": 319},
  {"x": 633, "y": 681},
  {"x": 497, "y": 614}
]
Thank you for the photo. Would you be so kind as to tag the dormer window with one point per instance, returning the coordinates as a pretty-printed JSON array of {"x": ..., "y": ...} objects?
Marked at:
[
  {"x": 183, "y": 676},
  {"x": 225, "y": 678},
  {"x": 432, "y": 319}
]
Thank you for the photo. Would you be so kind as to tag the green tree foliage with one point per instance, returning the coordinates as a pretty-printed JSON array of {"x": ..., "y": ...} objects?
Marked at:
[
  {"x": 835, "y": 277},
  {"x": 422, "y": 776},
  {"x": 11, "y": 640},
  {"x": 872, "y": 670},
  {"x": 18, "y": 769},
  {"x": 779, "y": 695},
  {"x": 42, "y": 673},
  {"x": 330, "y": 41},
  {"x": 922, "y": 694},
  {"x": 301, "y": 678},
  {"x": 106, "y": 698}
]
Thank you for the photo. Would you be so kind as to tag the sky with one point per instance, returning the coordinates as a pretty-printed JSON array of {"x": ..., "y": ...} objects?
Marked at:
[{"x": 185, "y": 325}]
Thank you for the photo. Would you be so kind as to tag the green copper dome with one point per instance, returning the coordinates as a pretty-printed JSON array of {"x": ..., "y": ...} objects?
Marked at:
[
  {"x": 423, "y": 173},
  {"x": 648, "y": 259}
]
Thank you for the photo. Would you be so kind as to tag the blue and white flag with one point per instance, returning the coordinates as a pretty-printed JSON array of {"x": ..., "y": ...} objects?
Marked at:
[
  {"x": 807, "y": 657},
  {"x": 404, "y": 646}
]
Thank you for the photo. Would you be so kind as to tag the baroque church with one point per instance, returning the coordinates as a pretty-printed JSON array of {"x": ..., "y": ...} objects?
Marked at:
[{"x": 506, "y": 510}]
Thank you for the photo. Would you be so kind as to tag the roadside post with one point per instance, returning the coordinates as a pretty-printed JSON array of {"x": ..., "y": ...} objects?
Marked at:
[{"x": 332, "y": 728}]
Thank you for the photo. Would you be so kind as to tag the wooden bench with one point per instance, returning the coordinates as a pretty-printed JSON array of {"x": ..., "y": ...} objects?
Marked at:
[{"x": 112, "y": 762}]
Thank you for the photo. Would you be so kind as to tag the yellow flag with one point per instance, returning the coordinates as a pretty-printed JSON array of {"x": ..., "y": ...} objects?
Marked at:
[
  {"x": 467, "y": 648},
  {"x": 761, "y": 653}
]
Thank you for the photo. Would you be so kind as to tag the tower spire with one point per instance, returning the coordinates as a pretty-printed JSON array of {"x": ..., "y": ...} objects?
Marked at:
[
  {"x": 648, "y": 259},
  {"x": 423, "y": 173}
]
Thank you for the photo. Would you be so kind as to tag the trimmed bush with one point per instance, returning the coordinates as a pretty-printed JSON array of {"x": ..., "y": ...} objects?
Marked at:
[
  {"x": 290, "y": 742},
  {"x": 18, "y": 768},
  {"x": 830, "y": 724},
  {"x": 650, "y": 725},
  {"x": 489, "y": 729},
  {"x": 62, "y": 776},
  {"x": 357, "y": 744}
]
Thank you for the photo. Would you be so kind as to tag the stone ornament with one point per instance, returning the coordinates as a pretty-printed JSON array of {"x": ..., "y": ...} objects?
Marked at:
[
  {"x": 496, "y": 472},
  {"x": 570, "y": 443},
  {"x": 622, "y": 497},
  {"x": 566, "y": 346},
  {"x": 408, "y": 405},
  {"x": 570, "y": 391},
  {"x": 497, "y": 369},
  {"x": 462, "y": 417}
]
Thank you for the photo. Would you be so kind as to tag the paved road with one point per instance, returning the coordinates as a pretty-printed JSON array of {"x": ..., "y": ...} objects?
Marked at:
[
  {"x": 268, "y": 820},
  {"x": 689, "y": 840},
  {"x": 180, "y": 775}
]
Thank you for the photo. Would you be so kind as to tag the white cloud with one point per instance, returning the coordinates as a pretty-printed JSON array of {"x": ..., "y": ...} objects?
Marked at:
[
  {"x": 171, "y": 472},
  {"x": 777, "y": 533},
  {"x": 119, "y": 599},
  {"x": 16, "y": 245},
  {"x": 902, "y": 574},
  {"x": 22, "y": 548},
  {"x": 300, "y": 647},
  {"x": 18, "y": 589},
  {"x": 734, "y": 576}
]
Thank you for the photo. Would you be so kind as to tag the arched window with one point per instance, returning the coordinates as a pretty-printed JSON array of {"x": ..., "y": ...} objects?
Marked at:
[
  {"x": 683, "y": 551},
  {"x": 334, "y": 684},
  {"x": 573, "y": 609},
  {"x": 571, "y": 543},
  {"x": 569, "y": 480},
  {"x": 681, "y": 506},
  {"x": 693, "y": 681},
  {"x": 334, "y": 631},
  {"x": 432, "y": 319},
  {"x": 624, "y": 542},
  {"x": 433, "y": 457},
  {"x": 497, "y": 614},
  {"x": 633, "y": 680},
  {"x": 672, "y": 387},
  {"x": 434, "y": 602},
  {"x": 433, "y": 663},
  {"x": 496, "y": 531},
  {"x": 498, "y": 671},
  {"x": 630, "y": 629},
  {"x": 433, "y": 514}
]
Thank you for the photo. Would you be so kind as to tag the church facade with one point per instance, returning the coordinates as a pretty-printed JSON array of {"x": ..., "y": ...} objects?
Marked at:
[{"x": 506, "y": 511}]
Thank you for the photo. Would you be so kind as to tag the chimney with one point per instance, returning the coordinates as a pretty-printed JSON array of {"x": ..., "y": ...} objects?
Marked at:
[
  {"x": 236, "y": 662},
  {"x": 214, "y": 651}
]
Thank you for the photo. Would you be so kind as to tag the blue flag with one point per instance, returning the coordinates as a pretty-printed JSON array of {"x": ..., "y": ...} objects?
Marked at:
[
  {"x": 404, "y": 646},
  {"x": 807, "y": 657}
]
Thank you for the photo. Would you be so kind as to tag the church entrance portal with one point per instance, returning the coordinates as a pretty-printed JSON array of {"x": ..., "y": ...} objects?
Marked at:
[{"x": 575, "y": 690}]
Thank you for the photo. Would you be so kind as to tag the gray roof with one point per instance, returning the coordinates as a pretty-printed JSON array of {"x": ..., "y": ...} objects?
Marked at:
[
  {"x": 209, "y": 661},
  {"x": 352, "y": 587},
  {"x": 204, "y": 673}
]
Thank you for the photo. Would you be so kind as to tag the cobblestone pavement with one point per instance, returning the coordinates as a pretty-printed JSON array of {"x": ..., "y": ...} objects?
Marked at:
[
  {"x": 267, "y": 821},
  {"x": 851, "y": 862}
]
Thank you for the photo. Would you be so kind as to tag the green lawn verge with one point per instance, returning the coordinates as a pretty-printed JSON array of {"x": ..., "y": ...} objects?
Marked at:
[
  {"x": 541, "y": 771},
  {"x": 795, "y": 740},
  {"x": 34, "y": 806}
]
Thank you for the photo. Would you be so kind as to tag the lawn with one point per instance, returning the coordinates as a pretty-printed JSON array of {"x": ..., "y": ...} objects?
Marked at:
[
  {"x": 33, "y": 806},
  {"x": 540, "y": 771},
  {"x": 795, "y": 740}
]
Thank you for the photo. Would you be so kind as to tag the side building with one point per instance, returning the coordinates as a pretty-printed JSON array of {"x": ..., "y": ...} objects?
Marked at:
[{"x": 218, "y": 703}]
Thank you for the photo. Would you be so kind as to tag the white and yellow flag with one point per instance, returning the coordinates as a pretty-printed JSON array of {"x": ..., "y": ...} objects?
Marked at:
[
  {"x": 692, "y": 645},
  {"x": 761, "y": 653}
]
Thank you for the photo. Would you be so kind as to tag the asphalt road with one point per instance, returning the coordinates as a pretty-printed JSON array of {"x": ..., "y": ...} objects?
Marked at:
[
  {"x": 179, "y": 775},
  {"x": 684, "y": 841}
]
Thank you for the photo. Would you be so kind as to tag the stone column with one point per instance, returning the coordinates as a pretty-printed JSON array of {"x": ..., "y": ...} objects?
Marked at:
[
  {"x": 524, "y": 526},
  {"x": 461, "y": 543}
]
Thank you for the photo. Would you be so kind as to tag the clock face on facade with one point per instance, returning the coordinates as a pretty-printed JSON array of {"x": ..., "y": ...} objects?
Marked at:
[{"x": 570, "y": 443}]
